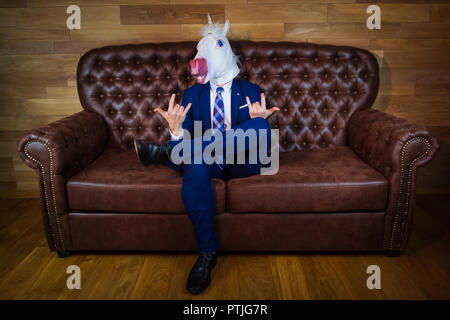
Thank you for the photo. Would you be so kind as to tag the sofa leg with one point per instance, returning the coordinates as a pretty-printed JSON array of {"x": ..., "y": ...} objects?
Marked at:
[
  {"x": 64, "y": 254},
  {"x": 392, "y": 253}
]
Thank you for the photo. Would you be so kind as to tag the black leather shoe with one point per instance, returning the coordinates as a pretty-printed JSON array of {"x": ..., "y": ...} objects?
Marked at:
[
  {"x": 200, "y": 275},
  {"x": 152, "y": 153}
]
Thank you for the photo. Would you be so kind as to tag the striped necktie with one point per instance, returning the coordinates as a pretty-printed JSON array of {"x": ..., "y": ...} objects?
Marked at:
[{"x": 219, "y": 111}]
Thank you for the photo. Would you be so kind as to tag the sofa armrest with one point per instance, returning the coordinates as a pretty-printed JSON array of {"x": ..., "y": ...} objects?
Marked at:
[
  {"x": 57, "y": 151},
  {"x": 395, "y": 148}
]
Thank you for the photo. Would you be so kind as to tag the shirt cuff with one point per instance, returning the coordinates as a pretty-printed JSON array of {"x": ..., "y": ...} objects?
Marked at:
[{"x": 174, "y": 137}]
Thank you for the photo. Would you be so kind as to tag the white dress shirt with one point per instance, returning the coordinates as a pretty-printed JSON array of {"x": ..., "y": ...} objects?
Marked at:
[{"x": 226, "y": 97}]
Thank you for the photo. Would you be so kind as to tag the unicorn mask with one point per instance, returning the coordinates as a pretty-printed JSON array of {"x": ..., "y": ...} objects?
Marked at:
[{"x": 214, "y": 61}]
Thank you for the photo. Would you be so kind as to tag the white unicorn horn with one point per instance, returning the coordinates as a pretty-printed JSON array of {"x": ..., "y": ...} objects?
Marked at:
[{"x": 209, "y": 19}]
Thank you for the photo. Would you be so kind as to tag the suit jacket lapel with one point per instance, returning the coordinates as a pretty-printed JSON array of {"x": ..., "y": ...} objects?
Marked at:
[
  {"x": 205, "y": 104},
  {"x": 236, "y": 96}
]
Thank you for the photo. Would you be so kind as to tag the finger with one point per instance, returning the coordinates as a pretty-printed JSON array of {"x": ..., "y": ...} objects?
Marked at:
[
  {"x": 161, "y": 112},
  {"x": 187, "y": 108},
  {"x": 257, "y": 106},
  {"x": 249, "y": 104},
  {"x": 180, "y": 111},
  {"x": 273, "y": 109},
  {"x": 171, "y": 102},
  {"x": 176, "y": 108},
  {"x": 263, "y": 101}
]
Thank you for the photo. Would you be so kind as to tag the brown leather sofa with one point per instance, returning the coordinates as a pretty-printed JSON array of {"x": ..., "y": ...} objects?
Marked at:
[{"x": 347, "y": 174}]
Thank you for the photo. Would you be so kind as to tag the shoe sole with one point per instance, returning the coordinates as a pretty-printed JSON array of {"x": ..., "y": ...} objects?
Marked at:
[{"x": 138, "y": 154}]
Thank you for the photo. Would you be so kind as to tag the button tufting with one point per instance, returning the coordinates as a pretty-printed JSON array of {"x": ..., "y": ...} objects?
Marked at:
[
  {"x": 129, "y": 79},
  {"x": 119, "y": 95},
  {"x": 110, "y": 79},
  {"x": 158, "y": 94},
  {"x": 305, "y": 76},
  {"x": 129, "y": 111},
  {"x": 139, "y": 95}
]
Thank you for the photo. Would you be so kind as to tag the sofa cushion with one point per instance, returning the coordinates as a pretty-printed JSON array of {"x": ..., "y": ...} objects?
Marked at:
[
  {"x": 319, "y": 180},
  {"x": 117, "y": 182}
]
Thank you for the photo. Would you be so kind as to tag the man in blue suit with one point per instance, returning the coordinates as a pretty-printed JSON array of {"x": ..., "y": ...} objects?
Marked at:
[{"x": 222, "y": 103}]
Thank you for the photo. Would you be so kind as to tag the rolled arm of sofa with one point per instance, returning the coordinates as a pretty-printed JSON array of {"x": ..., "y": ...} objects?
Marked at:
[
  {"x": 57, "y": 151},
  {"x": 395, "y": 147}
]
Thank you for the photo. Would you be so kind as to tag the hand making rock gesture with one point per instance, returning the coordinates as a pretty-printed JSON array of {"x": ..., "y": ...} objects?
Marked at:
[
  {"x": 174, "y": 115},
  {"x": 259, "y": 109}
]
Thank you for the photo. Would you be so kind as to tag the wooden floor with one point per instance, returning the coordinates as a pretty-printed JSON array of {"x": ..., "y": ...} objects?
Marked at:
[{"x": 29, "y": 271}]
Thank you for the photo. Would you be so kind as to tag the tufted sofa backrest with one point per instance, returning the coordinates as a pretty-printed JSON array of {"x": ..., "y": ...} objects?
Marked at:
[{"x": 317, "y": 87}]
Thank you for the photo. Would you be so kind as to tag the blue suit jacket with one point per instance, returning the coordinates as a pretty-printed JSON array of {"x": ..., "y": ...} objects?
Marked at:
[{"x": 199, "y": 96}]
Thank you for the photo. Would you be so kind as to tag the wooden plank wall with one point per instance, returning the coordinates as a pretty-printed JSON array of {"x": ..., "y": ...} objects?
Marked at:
[{"x": 38, "y": 57}]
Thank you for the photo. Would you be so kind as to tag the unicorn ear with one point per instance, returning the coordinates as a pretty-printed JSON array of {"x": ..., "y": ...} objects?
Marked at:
[
  {"x": 209, "y": 19},
  {"x": 226, "y": 27}
]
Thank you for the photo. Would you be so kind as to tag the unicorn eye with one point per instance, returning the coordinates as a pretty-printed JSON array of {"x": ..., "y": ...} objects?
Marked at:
[{"x": 220, "y": 43}]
